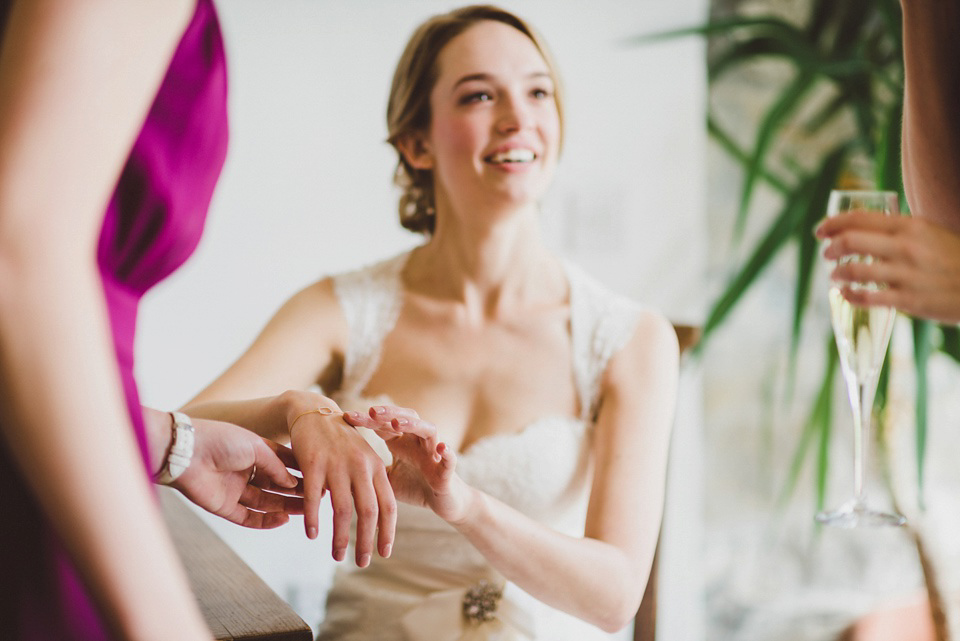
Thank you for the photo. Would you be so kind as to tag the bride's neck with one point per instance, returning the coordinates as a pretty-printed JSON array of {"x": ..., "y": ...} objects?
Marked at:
[{"x": 490, "y": 269}]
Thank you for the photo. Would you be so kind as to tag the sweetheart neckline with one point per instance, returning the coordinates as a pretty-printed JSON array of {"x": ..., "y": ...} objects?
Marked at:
[
  {"x": 523, "y": 431},
  {"x": 384, "y": 399}
]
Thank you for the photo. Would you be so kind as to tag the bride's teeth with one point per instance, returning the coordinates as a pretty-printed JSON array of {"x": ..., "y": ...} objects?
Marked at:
[{"x": 514, "y": 155}]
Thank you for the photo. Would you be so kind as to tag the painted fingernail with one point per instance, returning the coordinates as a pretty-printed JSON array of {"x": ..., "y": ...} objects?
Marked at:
[
  {"x": 352, "y": 415},
  {"x": 398, "y": 422},
  {"x": 364, "y": 561},
  {"x": 379, "y": 409},
  {"x": 338, "y": 554},
  {"x": 386, "y": 550},
  {"x": 311, "y": 532}
]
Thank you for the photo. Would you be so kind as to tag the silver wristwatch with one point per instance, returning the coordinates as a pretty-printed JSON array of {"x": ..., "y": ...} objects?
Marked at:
[{"x": 181, "y": 450}]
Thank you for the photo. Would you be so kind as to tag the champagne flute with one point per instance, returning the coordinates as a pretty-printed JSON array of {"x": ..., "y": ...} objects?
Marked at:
[{"x": 862, "y": 335}]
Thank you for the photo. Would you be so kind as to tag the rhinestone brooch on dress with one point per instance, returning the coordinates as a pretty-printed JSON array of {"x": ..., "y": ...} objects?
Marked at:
[{"x": 480, "y": 602}]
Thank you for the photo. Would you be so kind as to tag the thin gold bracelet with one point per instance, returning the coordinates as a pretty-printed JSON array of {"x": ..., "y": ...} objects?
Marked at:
[{"x": 326, "y": 411}]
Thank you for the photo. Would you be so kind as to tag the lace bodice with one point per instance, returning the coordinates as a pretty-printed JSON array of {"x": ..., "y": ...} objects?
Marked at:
[
  {"x": 542, "y": 470},
  {"x": 371, "y": 298}
]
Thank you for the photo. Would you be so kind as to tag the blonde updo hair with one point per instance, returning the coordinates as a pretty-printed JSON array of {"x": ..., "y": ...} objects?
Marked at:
[{"x": 408, "y": 109}]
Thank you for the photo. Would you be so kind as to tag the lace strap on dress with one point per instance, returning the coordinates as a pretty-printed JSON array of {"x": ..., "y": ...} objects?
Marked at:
[
  {"x": 370, "y": 298},
  {"x": 601, "y": 324}
]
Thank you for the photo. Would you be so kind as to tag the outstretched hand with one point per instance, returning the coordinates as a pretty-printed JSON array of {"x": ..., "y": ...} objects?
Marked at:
[
  {"x": 334, "y": 457},
  {"x": 918, "y": 262},
  {"x": 240, "y": 476},
  {"x": 423, "y": 472}
]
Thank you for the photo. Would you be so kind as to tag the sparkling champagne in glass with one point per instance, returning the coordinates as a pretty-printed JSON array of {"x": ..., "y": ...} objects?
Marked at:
[{"x": 862, "y": 335}]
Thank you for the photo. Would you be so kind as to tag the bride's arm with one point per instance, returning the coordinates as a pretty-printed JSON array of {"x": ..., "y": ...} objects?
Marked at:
[
  {"x": 600, "y": 577},
  {"x": 265, "y": 391}
]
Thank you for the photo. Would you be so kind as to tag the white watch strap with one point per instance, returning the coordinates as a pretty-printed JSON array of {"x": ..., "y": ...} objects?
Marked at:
[{"x": 181, "y": 450}]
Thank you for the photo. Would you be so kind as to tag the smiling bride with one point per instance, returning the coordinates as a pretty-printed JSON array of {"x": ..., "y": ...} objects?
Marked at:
[{"x": 530, "y": 492}]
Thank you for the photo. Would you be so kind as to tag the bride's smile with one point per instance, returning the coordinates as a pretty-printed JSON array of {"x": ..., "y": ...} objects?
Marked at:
[{"x": 494, "y": 133}]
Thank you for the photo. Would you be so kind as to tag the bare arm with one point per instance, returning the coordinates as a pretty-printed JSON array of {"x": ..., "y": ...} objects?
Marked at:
[
  {"x": 265, "y": 390},
  {"x": 600, "y": 577},
  {"x": 931, "y": 126},
  {"x": 302, "y": 345},
  {"x": 76, "y": 80}
]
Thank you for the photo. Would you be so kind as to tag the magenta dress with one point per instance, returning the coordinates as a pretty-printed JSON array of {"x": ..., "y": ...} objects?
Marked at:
[{"x": 151, "y": 226}]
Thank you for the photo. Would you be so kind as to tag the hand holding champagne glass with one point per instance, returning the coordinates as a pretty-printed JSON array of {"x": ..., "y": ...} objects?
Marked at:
[{"x": 862, "y": 335}]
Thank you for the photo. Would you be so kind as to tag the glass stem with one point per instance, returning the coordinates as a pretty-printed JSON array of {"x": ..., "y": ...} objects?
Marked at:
[{"x": 861, "y": 438}]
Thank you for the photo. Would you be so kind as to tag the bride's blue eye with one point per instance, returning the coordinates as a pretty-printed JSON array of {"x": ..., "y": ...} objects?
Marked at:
[
  {"x": 540, "y": 94},
  {"x": 477, "y": 96}
]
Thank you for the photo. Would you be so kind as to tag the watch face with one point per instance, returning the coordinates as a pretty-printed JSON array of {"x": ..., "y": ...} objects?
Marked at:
[{"x": 182, "y": 420}]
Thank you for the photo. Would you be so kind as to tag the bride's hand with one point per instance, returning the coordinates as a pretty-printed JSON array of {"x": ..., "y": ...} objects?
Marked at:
[{"x": 423, "y": 472}]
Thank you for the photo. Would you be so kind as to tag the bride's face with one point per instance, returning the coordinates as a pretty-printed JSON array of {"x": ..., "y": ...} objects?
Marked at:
[{"x": 495, "y": 129}]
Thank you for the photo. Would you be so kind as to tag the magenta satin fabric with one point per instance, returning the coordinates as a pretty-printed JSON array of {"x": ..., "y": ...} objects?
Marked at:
[{"x": 151, "y": 226}]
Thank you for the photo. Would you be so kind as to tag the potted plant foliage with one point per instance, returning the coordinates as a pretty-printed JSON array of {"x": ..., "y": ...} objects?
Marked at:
[{"x": 846, "y": 63}]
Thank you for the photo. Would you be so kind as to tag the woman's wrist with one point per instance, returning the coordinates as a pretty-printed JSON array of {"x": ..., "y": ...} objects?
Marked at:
[
  {"x": 159, "y": 431},
  {"x": 474, "y": 503},
  {"x": 295, "y": 403}
]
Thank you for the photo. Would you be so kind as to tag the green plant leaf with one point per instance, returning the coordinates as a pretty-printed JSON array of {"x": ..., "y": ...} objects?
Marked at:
[
  {"x": 772, "y": 26},
  {"x": 888, "y": 150},
  {"x": 892, "y": 16},
  {"x": 854, "y": 46},
  {"x": 817, "y": 424},
  {"x": 950, "y": 341},
  {"x": 806, "y": 261},
  {"x": 734, "y": 151},
  {"x": 825, "y": 115},
  {"x": 846, "y": 69},
  {"x": 862, "y": 102},
  {"x": 818, "y": 193},
  {"x": 825, "y": 424},
  {"x": 787, "y": 103},
  {"x": 922, "y": 346},
  {"x": 882, "y": 419},
  {"x": 822, "y": 15},
  {"x": 853, "y": 20},
  {"x": 793, "y": 165},
  {"x": 798, "y": 52},
  {"x": 777, "y": 234},
  {"x": 878, "y": 48},
  {"x": 883, "y": 393}
]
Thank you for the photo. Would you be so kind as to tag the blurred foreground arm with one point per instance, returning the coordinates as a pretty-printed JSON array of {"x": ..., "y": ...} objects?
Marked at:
[
  {"x": 931, "y": 120},
  {"x": 76, "y": 81}
]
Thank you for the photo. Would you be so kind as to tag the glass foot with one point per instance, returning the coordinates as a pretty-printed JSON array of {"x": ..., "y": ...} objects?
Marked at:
[{"x": 855, "y": 514}]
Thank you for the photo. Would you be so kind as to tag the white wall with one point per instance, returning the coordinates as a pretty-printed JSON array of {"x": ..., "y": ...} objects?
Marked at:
[{"x": 306, "y": 191}]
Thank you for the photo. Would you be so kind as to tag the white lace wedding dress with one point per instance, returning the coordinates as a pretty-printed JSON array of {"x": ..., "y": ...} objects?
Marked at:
[{"x": 418, "y": 594}]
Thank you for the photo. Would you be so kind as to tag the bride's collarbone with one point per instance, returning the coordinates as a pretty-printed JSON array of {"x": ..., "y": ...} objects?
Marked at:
[
  {"x": 477, "y": 352},
  {"x": 477, "y": 384}
]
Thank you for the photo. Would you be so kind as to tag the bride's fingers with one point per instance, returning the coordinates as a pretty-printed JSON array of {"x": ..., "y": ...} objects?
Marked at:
[
  {"x": 448, "y": 460},
  {"x": 389, "y": 421},
  {"x": 357, "y": 419},
  {"x": 424, "y": 430},
  {"x": 386, "y": 413},
  {"x": 418, "y": 427},
  {"x": 384, "y": 431},
  {"x": 377, "y": 416}
]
